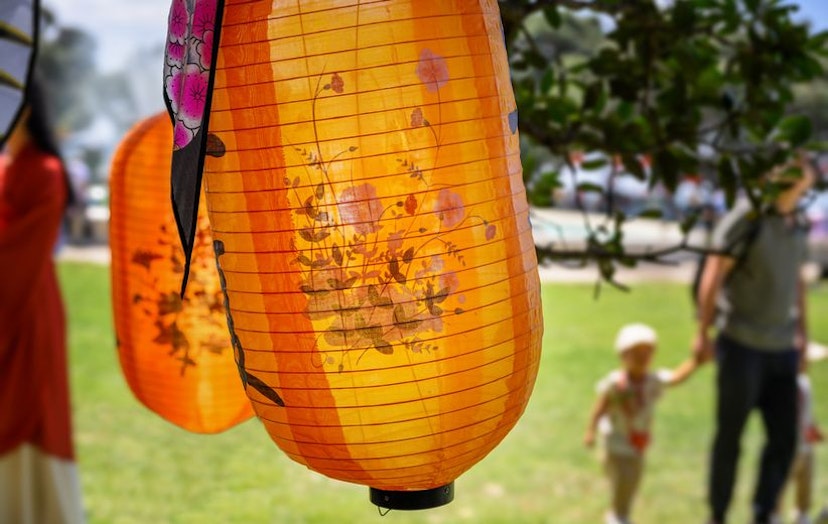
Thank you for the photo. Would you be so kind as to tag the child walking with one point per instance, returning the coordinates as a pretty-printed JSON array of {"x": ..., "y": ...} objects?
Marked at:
[
  {"x": 802, "y": 471},
  {"x": 623, "y": 413}
]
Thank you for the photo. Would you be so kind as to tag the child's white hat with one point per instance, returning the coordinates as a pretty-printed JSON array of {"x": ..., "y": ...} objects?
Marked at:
[{"x": 633, "y": 335}]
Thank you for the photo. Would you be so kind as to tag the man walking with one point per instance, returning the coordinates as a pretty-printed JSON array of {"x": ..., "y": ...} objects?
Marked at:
[{"x": 753, "y": 292}]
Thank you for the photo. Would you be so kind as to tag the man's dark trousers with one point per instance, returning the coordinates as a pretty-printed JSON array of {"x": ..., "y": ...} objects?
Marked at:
[{"x": 749, "y": 378}]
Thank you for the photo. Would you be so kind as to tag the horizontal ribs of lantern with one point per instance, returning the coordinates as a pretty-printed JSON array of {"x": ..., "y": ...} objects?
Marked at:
[{"x": 337, "y": 139}]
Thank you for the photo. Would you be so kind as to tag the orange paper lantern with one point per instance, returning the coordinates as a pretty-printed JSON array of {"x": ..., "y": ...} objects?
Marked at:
[
  {"x": 364, "y": 187},
  {"x": 176, "y": 355}
]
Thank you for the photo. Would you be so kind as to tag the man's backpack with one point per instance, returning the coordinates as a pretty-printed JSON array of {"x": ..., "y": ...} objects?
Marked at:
[{"x": 748, "y": 238}]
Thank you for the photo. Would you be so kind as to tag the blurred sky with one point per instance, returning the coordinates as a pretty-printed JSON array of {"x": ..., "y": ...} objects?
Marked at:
[
  {"x": 121, "y": 27},
  {"x": 124, "y": 26}
]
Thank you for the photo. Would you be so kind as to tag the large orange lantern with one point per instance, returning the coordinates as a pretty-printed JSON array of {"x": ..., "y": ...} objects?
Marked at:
[
  {"x": 175, "y": 354},
  {"x": 364, "y": 188}
]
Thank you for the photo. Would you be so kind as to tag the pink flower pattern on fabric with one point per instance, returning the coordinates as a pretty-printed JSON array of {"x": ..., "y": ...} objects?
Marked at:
[
  {"x": 450, "y": 208},
  {"x": 179, "y": 21},
  {"x": 204, "y": 18},
  {"x": 187, "y": 64},
  {"x": 432, "y": 70},
  {"x": 175, "y": 55},
  {"x": 360, "y": 208},
  {"x": 204, "y": 48},
  {"x": 193, "y": 96}
]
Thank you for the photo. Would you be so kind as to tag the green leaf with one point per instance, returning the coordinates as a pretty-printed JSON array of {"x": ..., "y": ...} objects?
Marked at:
[
  {"x": 666, "y": 166},
  {"x": 594, "y": 97},
  {"x": 689, "y": 223},
  {"x": 553, "y": 17},
  {"x": 589, "y": 187},
  {"x": 594, "y": 165},
  {"x": 546, "y": 81},
  {"x": 795, "y": 129},
  {"x": 728, "y": 180},
  {"x": 633, "y": 166},
  {"x": 651, "y": 213}
]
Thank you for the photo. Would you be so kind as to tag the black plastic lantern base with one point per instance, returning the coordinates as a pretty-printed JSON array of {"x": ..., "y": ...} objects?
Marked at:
[{"x": 411, "y": 500}]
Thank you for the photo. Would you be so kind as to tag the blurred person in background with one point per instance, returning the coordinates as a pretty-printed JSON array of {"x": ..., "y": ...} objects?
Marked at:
[
  {"x": 753, "y": 293},
  {"x": 38, "y": 474}
]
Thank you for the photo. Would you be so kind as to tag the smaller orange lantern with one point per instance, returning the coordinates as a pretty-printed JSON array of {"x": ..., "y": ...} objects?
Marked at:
[{"x": 176, "y": 354}]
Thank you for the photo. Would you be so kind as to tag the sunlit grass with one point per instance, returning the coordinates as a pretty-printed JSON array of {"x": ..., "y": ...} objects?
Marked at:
[{"x": 137, "y": 468}]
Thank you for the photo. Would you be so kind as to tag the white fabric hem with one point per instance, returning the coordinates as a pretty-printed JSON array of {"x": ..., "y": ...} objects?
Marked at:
[{"x": 37, "y": 488}]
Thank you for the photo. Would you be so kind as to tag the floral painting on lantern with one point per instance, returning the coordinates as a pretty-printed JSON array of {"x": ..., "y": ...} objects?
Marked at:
[
  {"x": 377, "y": 272},
  {"x": 203, "y": 304}
]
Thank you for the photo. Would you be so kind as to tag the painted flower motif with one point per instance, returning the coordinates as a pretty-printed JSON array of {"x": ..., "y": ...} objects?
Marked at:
[
  {"x": 417, "y": 119},
  {"x": 337, "y": 84},
  {"x": 449, "y": 281},
  {"x": 172, "y": 87},
  {"x": 175, "y": 55},
  {"x": 181, "y": 135},
  {"x": 449, "y": 207},
  {"x": 395, "y": 242},
  {"x": 411, "y": 204},
  {"x": 178, "y": 22},
  {"x": 432, "y": 70},
  {"x": 204, "y": 18},
  {"x": 204, "y": 48},
  {"x": 491, "y": 231},
  {"x": 193, "y": 96},
  {"x": 360, "y": 208}
]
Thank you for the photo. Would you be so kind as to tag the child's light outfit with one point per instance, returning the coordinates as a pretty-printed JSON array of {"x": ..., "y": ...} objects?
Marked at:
[
  {"x": 625, "y": 431},
  {"x": 802, "y": 470}
]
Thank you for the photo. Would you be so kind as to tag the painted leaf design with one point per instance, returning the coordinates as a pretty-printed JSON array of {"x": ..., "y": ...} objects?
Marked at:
[
  {"x": 267, "y": 391},
  {"x": 314, "y": 236},
  {"x": 394, "y": 269},
  {"x": 383, "y": 347},
  {"x": 377, "y": 300},
  {"x": 144, "y": 258}
]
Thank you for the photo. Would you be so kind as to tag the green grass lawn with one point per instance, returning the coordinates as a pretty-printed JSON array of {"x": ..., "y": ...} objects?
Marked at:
[{"x": 137, "y": 468}]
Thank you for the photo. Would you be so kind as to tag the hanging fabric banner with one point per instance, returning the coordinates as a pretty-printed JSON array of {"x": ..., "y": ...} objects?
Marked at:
[{"x": 194, "y": 28}]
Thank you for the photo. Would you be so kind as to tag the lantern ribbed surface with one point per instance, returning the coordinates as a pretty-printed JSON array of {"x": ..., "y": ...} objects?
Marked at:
[
  {"x": 176, "y": 355},
  {"x": 371, "y": 228}
]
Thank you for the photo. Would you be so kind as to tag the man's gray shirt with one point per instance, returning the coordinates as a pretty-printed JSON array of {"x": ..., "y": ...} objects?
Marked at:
[{"x": 758, "y": 302}]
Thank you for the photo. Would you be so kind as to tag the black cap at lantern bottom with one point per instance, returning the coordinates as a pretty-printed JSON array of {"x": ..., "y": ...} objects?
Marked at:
[{"x": 413, "y": 500}]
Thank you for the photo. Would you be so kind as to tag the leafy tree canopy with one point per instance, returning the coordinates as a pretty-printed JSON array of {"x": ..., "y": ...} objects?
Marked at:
[{"x": 693, "y": 86}]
